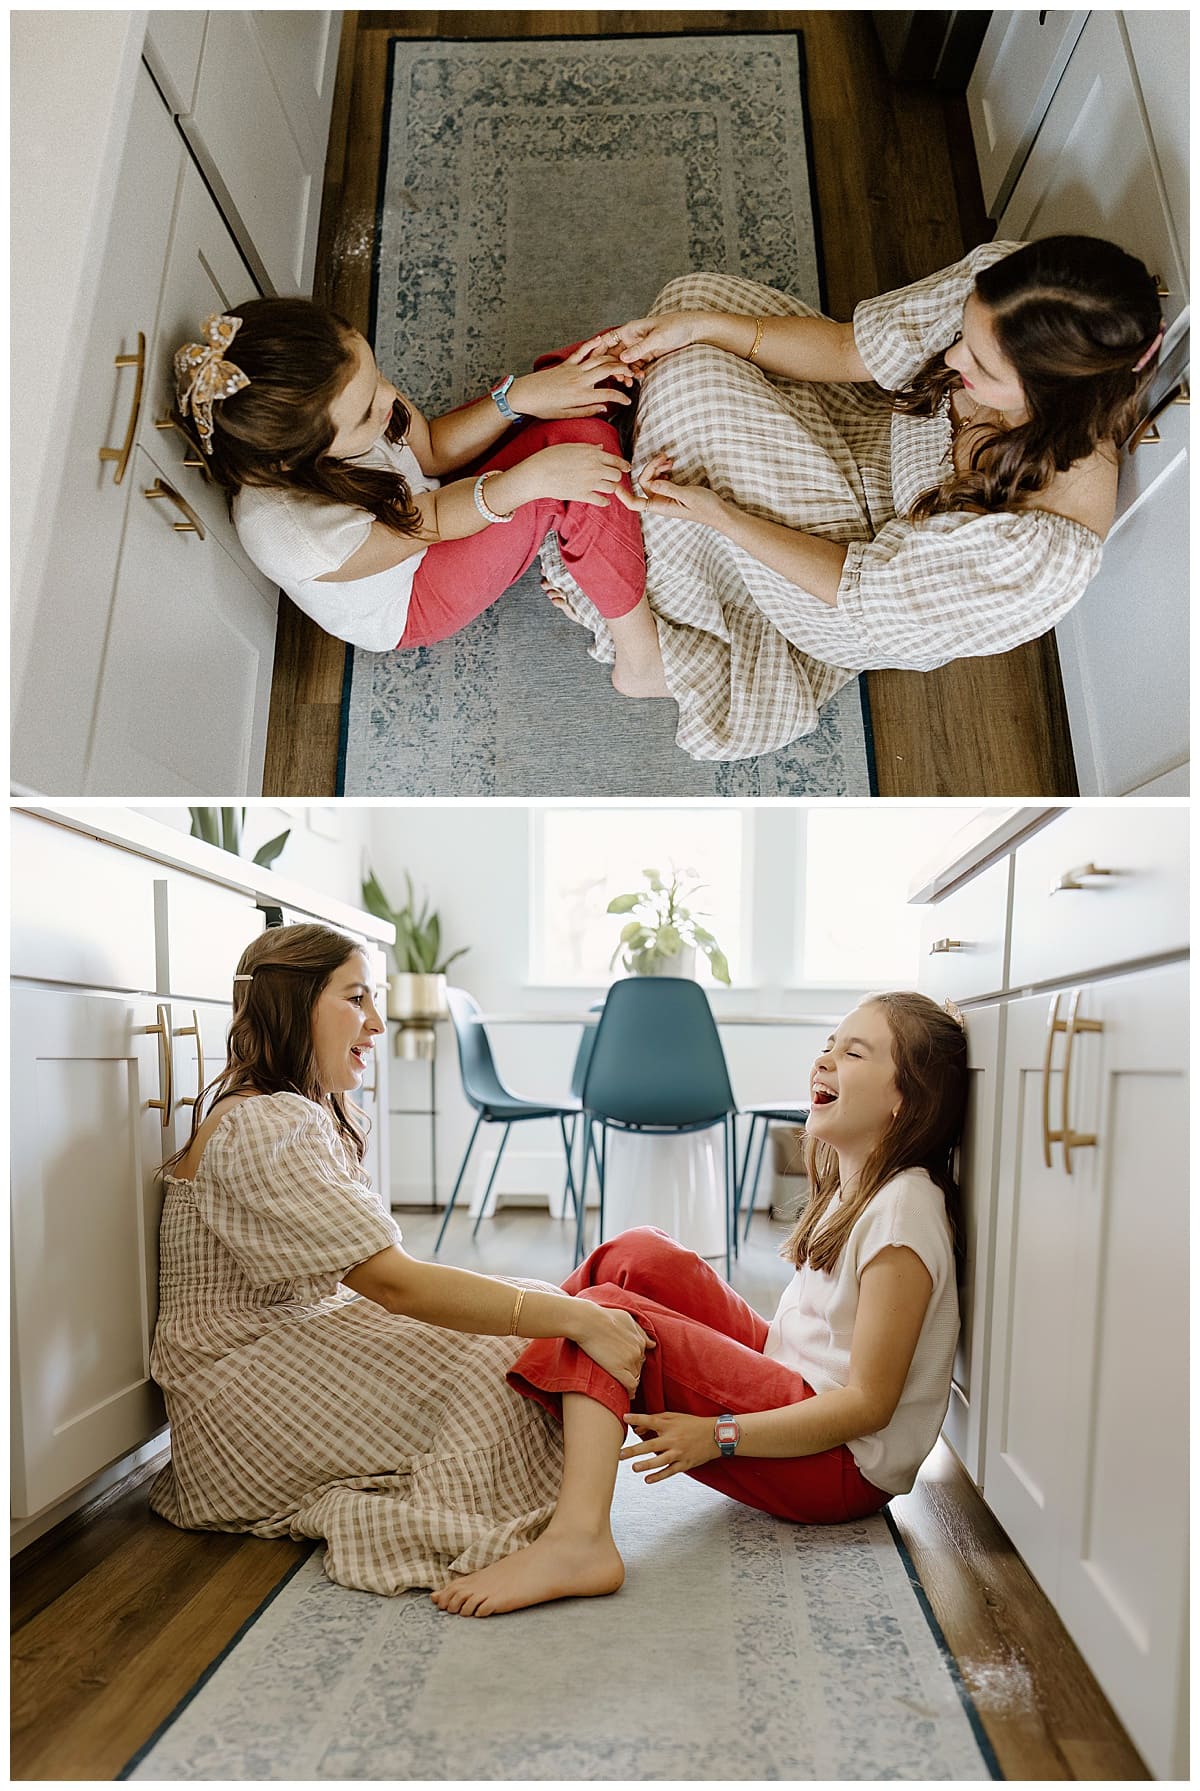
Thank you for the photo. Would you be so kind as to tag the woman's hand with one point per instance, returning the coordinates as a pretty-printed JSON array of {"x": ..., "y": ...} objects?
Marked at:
[
  {"x": 673, "y": 1442},
  {"x": 648, "y": 339},
  {"x": 575, "y": 387},
  {"x": 614, "y": 1340},
  {"x": 689, "y": 503},
  {"x": 574, "y": 471}
]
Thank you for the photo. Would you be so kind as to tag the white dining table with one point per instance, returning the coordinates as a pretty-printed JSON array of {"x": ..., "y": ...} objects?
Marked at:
[{"x": 675, "y": 1181}]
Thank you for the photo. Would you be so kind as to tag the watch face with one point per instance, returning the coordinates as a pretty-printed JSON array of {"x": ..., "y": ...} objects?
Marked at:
[{"x": 727, "y": 1431}]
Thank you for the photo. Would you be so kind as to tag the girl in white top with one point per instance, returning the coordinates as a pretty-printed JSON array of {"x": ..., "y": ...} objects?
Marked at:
[{"x": 335, "y": 481}]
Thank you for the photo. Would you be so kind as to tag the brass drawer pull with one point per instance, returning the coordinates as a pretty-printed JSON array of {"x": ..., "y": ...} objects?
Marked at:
[
  {"x": 1074, "y": 1140},
  {"x": 1147, "y": 430},
  {"x": 940, "y": 945},
  {"x": 193, "y": 525},
  {"x": 1160, "y": 289},
  {"x": 193, "y": 457},
  {"x": 1073, "y": 879},
  {"x": 193, "y": 1031},
  {"x": 121, "y": 454},
  {"x": 166, "y": 1086},
  {"x": 1053, "y": 1025}
]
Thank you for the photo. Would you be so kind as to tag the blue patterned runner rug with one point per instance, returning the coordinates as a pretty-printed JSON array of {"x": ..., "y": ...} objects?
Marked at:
[
  {"x": 535, "y": 190},
  {"x": 740, "y": 1647}
]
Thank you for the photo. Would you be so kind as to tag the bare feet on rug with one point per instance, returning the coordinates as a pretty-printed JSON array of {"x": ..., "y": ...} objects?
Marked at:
[
  {"x": 559, "y": 601},
  {"x": 555, "y": 1566}
]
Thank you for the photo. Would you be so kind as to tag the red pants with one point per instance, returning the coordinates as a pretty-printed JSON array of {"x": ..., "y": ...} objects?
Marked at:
[
  {"x": 601, "y": 547},
  {"x": 709, "y": 1360}
]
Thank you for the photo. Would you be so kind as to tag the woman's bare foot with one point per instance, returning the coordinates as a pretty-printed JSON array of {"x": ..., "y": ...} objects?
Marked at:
[
  {"x": 641, "y": 677},
  {"x": 555, "y": 1566}
]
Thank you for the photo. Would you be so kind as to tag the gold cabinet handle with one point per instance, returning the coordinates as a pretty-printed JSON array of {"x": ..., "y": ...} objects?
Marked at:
[
  {"x": 1074, "y": 1140},
  {"x": 1053, "y": 1025},
  {"x": 945, "y": 945},
  {"x": 1147, "y": 430},
  {"x": 193, "y": 457},
  {"x": 121, "y": 454},
  {"x": 193, "y": 525},
  {"x": 1074, "y": 879},
  {"x": 1160, "y": 289},
  {"x": 187, "y": 1032},
  {"x": 166, "y": 1086}
]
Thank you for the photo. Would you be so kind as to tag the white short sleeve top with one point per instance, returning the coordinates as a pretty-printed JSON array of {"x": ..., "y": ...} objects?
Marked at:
[
  {"x": 294, "y": 538},
  {"x": 814, "y": 1324}
]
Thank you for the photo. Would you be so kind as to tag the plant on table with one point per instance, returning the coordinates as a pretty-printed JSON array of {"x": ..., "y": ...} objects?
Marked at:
[{"x": 663, "y": 928}]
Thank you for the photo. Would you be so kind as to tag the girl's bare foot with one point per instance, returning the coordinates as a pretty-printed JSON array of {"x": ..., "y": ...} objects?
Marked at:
[{"x": 555, "y": 1566}]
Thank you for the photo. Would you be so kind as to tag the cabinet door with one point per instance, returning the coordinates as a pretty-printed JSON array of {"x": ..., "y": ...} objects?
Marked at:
[
  {"x": 1020, "y": 63},
  {"x": 1122, "y": 1580},
  {"x": 86, "y": 1146},
  {"x": 373, "y": 1096},
  {"x": 965, "y": 1425},
  {"x": 186, "y": 681},
  {"x": 200, "y": 1031}
]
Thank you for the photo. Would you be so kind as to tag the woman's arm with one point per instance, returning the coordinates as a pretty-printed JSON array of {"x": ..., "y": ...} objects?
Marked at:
[
  {"x": 894, "y": 1293},
  {"x": 796, "y": 347},
  {"x": 462, "y": 1301}
]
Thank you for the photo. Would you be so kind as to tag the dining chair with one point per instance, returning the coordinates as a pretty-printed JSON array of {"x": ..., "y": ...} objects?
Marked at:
[
  {"x": 766, "y": 1112},
  {"x": 656, "y": 1067},
  {"x": 494, "y": 1103},
  {"x": 583, "y": 1057}
]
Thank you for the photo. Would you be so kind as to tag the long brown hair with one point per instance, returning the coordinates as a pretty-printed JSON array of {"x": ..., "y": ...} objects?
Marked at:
[
  {"x": 1072, "y": 315},
  {"x": 270, "y": 1048},
  {"x": 929, "y": 1054},
  {"x": 277, "y": 430}
]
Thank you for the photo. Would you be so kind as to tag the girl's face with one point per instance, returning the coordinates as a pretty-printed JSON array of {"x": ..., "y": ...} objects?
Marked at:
[
  {"x": 362, "y": 408},
  {"x": 976, "y": 358},
  {"x": 344, "y": 1024},
  {"x": 853, "y": 1084}
]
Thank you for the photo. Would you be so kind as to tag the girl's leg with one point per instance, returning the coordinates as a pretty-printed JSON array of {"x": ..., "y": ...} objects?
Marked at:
[
  {"x": 645, "y": 1260},
  {"x": 575, "y": 1556}
]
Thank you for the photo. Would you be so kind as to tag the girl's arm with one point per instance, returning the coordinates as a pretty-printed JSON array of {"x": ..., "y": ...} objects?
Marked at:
[
  {"x": 462, "y": 1301},
  {"x": 894, "y": 1293},
  {"x": 796, "y": 347}
]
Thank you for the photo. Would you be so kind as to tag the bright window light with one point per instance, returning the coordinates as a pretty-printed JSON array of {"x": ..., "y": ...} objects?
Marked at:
[
  {"x": 857, "y": 928},
  {"x": 583, "y": 857}
]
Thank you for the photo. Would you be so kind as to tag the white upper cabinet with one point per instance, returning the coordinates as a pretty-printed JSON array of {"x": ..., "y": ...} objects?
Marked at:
[{"x": 1020, "y": 63}]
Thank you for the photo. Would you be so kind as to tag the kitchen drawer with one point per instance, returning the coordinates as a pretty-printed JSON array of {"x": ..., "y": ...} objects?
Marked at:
[
  {"x": 82, "y": 912},
  {"x": 173, "y": 46},
  {"x": 963, "y": 938},
  {"x": 1020, "y": 63},
  {"x": 202, "y": 930},
  {"x": 1137, "y": 909}
]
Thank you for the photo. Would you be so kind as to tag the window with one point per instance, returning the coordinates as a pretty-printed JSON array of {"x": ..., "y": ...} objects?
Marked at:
[
  {"x": 857, "y": 929},
  {"x": 585, "y": 857}
]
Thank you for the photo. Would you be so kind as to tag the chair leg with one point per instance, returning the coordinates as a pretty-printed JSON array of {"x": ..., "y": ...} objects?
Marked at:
[
  {"x": 582, "y": 1207},
  {"x": 568, "y": 1148},
  {"x": 758, "y": 1161},
  {"x": 491, "y": 1178},
  {"x": 601, "y": 1168},
  {"x": 740, "y": 1184},
  {"x": 730, "y": 1193},
  {"x": 462, "y": 1170}
]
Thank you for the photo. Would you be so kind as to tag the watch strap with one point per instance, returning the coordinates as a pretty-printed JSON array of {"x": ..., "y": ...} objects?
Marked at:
[{"x": 499, "y": 397}]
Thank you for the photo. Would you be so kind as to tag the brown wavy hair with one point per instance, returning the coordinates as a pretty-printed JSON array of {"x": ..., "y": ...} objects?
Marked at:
[
  {"x": 277, "y": 431},
  {"x": 929, "y": 1052},
  {"x": 270, "y": 1048},
  {"x": 1072, "y": 315}
]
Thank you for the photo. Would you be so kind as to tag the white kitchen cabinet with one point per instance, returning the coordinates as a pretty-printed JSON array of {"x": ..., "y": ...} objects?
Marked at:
[
  {"x": 1159, "y": 46},
  {"x": 965, "y": 1426},
  {"x": 964, "y": 938},
  {"x": 1020, "y": 63},
  {"x": 85, "y": 1204}
]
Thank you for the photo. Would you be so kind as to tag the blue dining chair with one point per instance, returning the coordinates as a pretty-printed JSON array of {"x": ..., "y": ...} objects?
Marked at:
[
  {"x": 494, "y": 1103},
  {"x": 765, "y": 1112},
  {"x": 583, "y": 1057},
  {"x": 656, "y": 1067}
]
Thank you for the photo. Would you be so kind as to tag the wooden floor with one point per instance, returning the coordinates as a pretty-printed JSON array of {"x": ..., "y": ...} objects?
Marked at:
[
  {"x": 116, "y": 1616},
  {"x": 898, "y": 196}
]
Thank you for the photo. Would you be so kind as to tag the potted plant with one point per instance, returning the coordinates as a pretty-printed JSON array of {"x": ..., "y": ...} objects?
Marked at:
[
  {"x": 223, "y": 827},
  {"x": 663, "y": 937},
  {"x": 417, "y": 992}
]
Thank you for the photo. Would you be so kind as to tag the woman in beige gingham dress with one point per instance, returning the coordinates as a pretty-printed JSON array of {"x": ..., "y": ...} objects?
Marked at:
[
  {"x": 319, "y": 1381},
  {"x": 792, "y": 425}
]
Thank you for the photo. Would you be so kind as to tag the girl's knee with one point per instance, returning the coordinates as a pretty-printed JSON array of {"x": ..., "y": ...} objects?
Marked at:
[{"x": 581, "y": 429}]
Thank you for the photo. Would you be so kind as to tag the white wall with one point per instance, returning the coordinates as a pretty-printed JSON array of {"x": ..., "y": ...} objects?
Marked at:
[
  {"x": 475, "y": 863},
  {"x": 325, "y": 848}
]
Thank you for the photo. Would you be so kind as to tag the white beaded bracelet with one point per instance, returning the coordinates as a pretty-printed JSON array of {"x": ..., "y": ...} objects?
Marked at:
[{"x": 481, "y": 503}]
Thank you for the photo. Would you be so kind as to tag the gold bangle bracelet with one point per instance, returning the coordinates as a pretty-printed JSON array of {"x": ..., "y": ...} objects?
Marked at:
[
  {"x": 757, "y": 338},
  {"x": 516, "y": 1312}
]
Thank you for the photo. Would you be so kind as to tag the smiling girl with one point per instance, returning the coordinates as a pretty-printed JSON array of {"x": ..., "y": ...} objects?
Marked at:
[{"x": 827, "y": 1412}]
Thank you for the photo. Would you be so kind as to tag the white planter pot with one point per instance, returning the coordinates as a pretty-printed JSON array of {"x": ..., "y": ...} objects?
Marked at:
[
  {"x": 682, "y": 964},
  {"x": 415, "y": 997}
]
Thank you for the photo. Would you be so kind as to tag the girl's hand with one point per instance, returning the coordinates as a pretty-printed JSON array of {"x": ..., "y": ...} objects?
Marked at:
[
  {"x": 648, "y": 339},
  {"x": 689, "y": 503},
  {"x": 575, "y": 471},
  {"x": 672, "y": 1441},
  {"x": 615, "y": 1341},
  {"x": 575, "y": 387}
]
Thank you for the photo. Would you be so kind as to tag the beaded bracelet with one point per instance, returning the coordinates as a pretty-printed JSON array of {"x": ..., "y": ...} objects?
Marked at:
[{"x": 481, "y": 503}]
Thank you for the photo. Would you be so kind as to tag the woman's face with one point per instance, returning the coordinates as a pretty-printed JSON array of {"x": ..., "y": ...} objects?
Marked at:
[
  {"x": 976, "y": 357},
  {"x": 344, "y": 1024},
  {"x": 362, "y": 408},
  {"x": 853, "y": 1084}
]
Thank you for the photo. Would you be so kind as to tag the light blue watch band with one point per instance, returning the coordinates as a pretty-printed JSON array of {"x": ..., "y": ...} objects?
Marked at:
[{"x": 499, "y": 394}]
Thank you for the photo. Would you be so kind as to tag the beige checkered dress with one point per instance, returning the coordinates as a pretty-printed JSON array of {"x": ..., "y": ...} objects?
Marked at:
[
  {"x": 750, "y": 657},
  {"x": 298, "y": 1408}
]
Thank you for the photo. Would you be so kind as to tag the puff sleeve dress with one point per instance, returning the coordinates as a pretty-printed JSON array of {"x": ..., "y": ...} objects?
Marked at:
[
  {"x": 750, "y": 657},
  {"x": 299, "y": 1408}
]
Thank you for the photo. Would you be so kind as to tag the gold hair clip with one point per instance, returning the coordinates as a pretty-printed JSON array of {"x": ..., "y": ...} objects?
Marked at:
[{"x": 203, "y": 377}]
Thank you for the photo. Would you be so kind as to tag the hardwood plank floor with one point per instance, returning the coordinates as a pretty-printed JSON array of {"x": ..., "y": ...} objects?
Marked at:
[
  {"x": 898, "y": 195},
  {"x": 116, "y": 1615}
]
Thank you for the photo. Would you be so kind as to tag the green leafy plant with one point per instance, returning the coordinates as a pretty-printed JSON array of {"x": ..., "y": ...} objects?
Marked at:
[
  {"x": 223, "y": 827},
  {"x": 662, "y": 926},
  {"x": 418, "y": 936}
]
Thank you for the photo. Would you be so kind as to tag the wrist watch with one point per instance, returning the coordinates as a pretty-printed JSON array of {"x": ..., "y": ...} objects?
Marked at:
[
  {"x": 499, "y": 396},
  {"x": 727, "y": 1433}
]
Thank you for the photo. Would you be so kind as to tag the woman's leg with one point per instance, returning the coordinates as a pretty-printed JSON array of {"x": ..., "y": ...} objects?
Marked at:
[{"x": 575, "y": 1556}]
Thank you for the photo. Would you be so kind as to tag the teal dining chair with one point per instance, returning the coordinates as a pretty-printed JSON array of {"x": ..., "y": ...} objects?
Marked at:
[{"x": 764, "y": 1112}]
